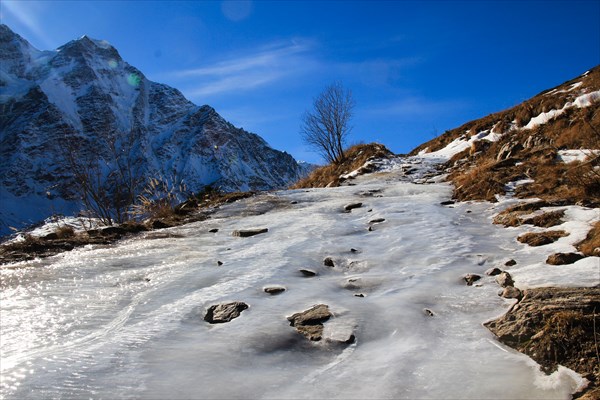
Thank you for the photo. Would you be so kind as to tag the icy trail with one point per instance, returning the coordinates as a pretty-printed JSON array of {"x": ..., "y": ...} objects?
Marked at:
[{"x": 126, "y": 320}]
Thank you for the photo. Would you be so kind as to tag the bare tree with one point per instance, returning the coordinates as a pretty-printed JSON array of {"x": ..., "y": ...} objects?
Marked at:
[{"x": 327, "y": 125}]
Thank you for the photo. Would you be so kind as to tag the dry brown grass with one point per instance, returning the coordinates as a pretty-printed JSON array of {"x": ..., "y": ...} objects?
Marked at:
[
  {"x": 356, "y": 157},
  {"x": 590, "y": 246},
  {"x": 541, "y": 238}
]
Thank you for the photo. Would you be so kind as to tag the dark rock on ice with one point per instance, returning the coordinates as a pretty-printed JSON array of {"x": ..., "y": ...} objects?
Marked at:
[
  {"x": 328, "y": 262},
  {"x": 224, "y": 312},
  {"x": 307, "y": 272},
  {"x": 471, "y": 278},
  {"x": 352, "y": 206},
  {"x": 310, "y": 322},
  {"x": 510, "y": 263},
  {"x": 504, "y": 279},
  {"x": 272, "y": 290},
  {"x": 249, "y": 232},
  {"x": 493, "y": 271}
]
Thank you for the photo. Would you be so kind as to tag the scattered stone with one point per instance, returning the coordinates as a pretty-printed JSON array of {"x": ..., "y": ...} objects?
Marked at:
[
  {"x": 493, "y": 271},
  {"x": 511, "y": 292},
  {"x": 359, "y": 295},
  {"x": 428, "y": 312},
  {"x": 310, "y": 322},
  {"x": 370, "y": 210},
  {"x": 147, "y": 279},
  {"x": 308, "y": 272},
  {"x": 249, "y": 232},
  {"x": 352, "y": 206},
  {"x": 219, "y": 263},
  {"x": 214, "y": 230},
  {"x": 273, "y": 290},
  {"x": 504, "y": 279},
  {"x": 328, "y": 262},
  {"x": 225, "y": 312},
  {"x": 563, "y": 258},
  {"x": 376, "y": 220},
  {"x": 339, "y": 331},
  {"x": 447, "y": 203},
  {"x": 294, "y": 202},
  {"x": 370, "y": 229},
  {"x": 471, "y": 278},
  {"x": 353, "y": 250},
  {"x": 510, "y": 263}
]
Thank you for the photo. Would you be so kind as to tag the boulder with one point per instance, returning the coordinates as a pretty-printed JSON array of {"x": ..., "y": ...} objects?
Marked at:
[
  {"x": 563, "y": 258},
  {"x": 214, "y": 230},
  {"x": 471, "y": 278},
  {"x": 224, "y": 312},
  {"x": 504, "y": 279},
  {"x": 310, "y": 322},
  {"x": 249, "y": 232},
  {"x": 510, "y": 263},
  {"x": 328, "y": 262},
  {"x": 307, "y": 272}
]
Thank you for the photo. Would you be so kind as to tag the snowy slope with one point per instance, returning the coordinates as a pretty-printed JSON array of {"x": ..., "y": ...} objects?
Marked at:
[
  {"x": 127, "y": 321},
  {"x": 85, "y": 98}
]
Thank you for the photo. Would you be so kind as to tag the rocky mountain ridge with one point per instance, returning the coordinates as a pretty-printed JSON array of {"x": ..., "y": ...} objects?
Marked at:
[{"x": 83, "y": 111}]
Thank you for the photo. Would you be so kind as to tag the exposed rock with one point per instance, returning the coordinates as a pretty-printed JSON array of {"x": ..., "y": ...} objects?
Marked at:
[
  {"x": 555, "y": 326},
  {"x": 272, "y": 290},
  {"x": 339, "y": 331},
  {"x": 225, "y": 312},
  {"x": 310, "y": 322},
  {"x": 214, "y": 230},
  {"x": 471, "y": 278},
  {"x": 376, "y": 220},
  {"x": 308, "y": 272},
  {"x": 509, "y": 150},
  {"x": 563, "y": 258},
  {"x": 328, "y": 262},
  {"x": 510, "y": 263},
  {"x": 352, "y": 206},
  {"x": 504, "y": 279},
  {"x": 219, "y": 263},
  {"x": 493, "y": 271},
  {"x": 541, "y": 238},
  {"x": 447, "y": 202},
  {"x": 353, "y": 250},
  {"x": 359, "y": 295},
  {"x": 249, "y": 232},
  {"x": 511, "y": 292}
]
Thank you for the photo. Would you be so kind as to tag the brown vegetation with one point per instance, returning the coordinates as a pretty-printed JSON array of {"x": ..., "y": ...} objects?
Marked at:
[
  {"x": 356, "y": 157},
  {"x": 541, "y": 238},
  {"x": 590, "y": 246}
]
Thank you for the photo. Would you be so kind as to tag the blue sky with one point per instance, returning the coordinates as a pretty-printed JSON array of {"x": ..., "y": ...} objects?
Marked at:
[{"x": 416, "y": 68}]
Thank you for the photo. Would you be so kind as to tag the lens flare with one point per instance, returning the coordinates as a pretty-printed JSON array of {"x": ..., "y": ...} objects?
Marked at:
[{"x": 134, "y": 80}]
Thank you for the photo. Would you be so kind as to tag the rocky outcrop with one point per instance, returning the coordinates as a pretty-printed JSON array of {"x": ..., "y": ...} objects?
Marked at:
[
  {"x": 224, "y": 312},
  {"x": 555, "y": 326},
  {"x": 563, "y": 258}
]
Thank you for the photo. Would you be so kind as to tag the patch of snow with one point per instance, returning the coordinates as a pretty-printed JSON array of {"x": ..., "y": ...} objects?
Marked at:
[
  {"x": 569, "y": 156},
  {"x": 584, "y": 100}
]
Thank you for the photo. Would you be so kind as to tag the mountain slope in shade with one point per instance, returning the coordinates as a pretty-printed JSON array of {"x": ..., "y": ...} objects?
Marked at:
[
  {"x": 546, "y": 147},
  {"x": 82, "y": 104}
]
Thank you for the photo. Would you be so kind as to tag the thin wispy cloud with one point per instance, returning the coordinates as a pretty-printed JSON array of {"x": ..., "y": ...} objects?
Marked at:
[
  {"x": 27, "y": 14},
  {"x": 413, "y": 105},
  {"x": 258, "y": 68}
]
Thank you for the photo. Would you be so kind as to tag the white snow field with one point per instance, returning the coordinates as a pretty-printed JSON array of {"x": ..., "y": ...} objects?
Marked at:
[{"x": 126, "y": 321}]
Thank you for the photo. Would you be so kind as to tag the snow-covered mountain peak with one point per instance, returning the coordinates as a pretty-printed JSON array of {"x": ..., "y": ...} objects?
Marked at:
[{"x": 84, "y": 102}]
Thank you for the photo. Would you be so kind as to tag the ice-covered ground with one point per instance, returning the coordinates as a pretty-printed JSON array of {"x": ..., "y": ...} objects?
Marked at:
[{"x": 126, "y": 321}]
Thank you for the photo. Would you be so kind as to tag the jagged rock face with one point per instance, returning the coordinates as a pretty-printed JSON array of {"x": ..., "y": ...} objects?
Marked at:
[{"x": 84, "y": 100}]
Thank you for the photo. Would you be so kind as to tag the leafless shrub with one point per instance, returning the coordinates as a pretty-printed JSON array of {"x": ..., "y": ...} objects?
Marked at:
[{"x": 327, "y": 126}]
